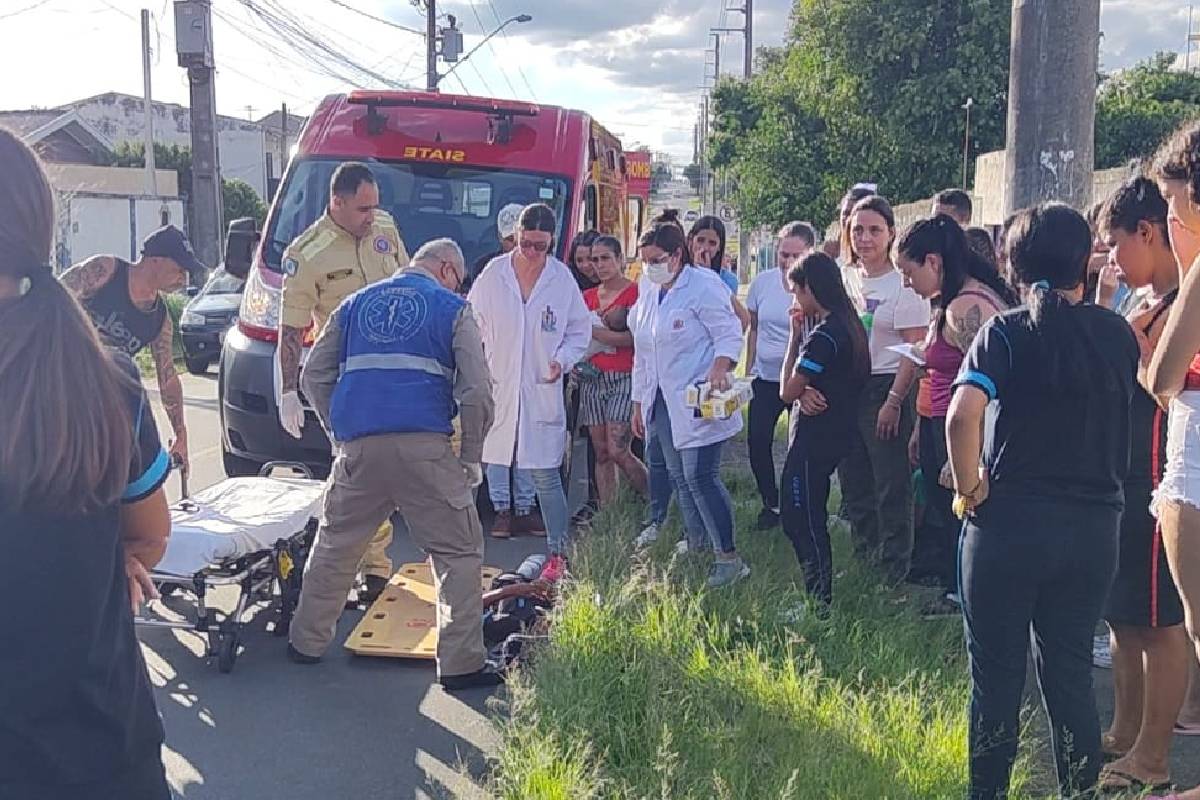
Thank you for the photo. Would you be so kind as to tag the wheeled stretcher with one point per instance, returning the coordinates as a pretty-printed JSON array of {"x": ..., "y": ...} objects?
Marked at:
[{"x": 253, "y": 533}]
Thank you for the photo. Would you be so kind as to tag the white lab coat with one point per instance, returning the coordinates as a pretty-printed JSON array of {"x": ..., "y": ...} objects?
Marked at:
[
  {"x": 675, "y": 343},
  {"x": 520, "y": 340}
]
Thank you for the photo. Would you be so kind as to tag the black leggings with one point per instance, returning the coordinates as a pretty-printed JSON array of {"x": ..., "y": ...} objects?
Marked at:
[
  {"x": 1031, "y": 565},
  {"x": 765, "y": 408},
  {"x": 805, "y": 497}
]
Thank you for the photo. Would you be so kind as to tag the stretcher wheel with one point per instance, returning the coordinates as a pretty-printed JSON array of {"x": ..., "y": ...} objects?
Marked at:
[{"x": 227, "y": 650}]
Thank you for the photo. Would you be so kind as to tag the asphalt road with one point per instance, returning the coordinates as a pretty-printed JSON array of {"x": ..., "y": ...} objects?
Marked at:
[{"x": 350, "y": 727}]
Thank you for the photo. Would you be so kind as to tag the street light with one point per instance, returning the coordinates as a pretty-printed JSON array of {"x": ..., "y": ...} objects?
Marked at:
[
  {"x": 520, "y": 19},
  {"x": 966, "y": 140}
]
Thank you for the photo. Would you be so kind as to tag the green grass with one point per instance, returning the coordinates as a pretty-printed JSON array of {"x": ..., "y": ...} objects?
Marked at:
[{"x": 652, "y": 686}]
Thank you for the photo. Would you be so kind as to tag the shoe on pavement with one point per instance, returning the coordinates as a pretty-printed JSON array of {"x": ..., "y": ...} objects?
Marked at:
[
  {"x": 502, "y": 526},
  {"x": 530, "y": 524},
  {"x": 768, "y": 518},
  {"x": 647, "y": 537},
  {"x": 555, "y": 569},
  {"x": 296, "y": 657},
  {"x": 486, "y": 676},
  {"x": 375, "y": 585},
  {"x": 723, "y": 573}
]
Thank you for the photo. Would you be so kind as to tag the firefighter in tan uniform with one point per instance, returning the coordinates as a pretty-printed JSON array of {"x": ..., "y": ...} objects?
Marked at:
[{"x": 353, "y": 244}]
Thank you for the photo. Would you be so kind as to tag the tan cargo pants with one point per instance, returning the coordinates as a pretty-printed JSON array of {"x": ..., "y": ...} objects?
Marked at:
[
  {"x": 376, "y": 560},
  {"x": 418, "y": 475}
]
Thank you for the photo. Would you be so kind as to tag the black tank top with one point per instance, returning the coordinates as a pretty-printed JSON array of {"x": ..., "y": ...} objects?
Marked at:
[
  {"x": 122, "y": 325},
  {"x": 1147, "y": 423}
]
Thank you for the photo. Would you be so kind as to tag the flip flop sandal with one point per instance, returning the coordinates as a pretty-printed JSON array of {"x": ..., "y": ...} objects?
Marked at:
[
  {"x": 1131, "y": 783},
  {"x": 1192, "y": 729}
]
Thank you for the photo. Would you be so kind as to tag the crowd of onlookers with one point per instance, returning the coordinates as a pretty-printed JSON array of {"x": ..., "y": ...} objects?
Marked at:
[
  {"x": 1009, "y": 414},
  {"x": 1010, "y": 417}
]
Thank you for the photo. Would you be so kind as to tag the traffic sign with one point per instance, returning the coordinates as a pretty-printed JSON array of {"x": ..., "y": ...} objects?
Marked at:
[{"x": 728, "y": 213}]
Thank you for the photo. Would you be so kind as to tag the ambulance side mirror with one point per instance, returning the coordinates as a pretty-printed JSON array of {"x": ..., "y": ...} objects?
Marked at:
[{"x": 240, "y": 242}]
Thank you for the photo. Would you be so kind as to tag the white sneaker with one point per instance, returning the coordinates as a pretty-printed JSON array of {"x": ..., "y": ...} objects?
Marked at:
[
  {"x": 1101, "y": 652},
  {"x": 647, "y": 537}
]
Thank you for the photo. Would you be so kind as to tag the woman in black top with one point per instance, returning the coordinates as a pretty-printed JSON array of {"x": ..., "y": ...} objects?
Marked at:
[
  {"x": 82, "y": 521},
  {"x": 835, "y": 360},
  {"x": 1039, "y": 548}
]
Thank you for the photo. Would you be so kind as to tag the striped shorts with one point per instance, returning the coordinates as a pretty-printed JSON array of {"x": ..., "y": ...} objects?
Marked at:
[{"x": 606, "y": 397}]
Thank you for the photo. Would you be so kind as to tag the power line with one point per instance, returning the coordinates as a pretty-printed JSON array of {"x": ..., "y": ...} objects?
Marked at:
[
  {"x": 495, "y": 58},
  {"x": 362, "y": 13},
  {"x": 520, "y": 71},
  {"x": 25, "y": 10}
]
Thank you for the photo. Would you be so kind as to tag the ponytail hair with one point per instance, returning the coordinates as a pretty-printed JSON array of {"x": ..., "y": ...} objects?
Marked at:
[
  {"x": 668, "y": 237},
  {"x": 63, "y": 451},
  {"x": 822, "y": 277},
  {"x": 943, "y": 236},
  {"x": 1048, "y": 247}
]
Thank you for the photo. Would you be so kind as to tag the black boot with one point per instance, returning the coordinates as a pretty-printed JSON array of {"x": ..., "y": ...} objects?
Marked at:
[{"x": 485, "y": 677}]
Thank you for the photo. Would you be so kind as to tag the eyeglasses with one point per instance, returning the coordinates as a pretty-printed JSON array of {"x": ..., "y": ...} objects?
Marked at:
[{"x": 537, "y": 247}]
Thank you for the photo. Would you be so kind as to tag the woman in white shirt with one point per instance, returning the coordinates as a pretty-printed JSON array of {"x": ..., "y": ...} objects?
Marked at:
[
  {"x": 876, "y": 477},
  {"x": 684, "y": 333},
  {"x": 768, "y": 302}
]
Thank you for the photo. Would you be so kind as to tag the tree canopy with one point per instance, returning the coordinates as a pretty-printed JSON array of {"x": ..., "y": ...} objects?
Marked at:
[
  {"x": 1138, "y": 108},
  {"x": 863, "y": 91}
]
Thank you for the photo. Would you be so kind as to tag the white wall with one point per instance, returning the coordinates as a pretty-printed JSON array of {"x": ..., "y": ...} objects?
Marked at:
[
  {"x": 91, "y": 226},
  {"x": 241, "y": 145}
]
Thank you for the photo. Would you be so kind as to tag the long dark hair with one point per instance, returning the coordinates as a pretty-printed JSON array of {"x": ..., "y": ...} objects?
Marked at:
[
  {"x": 63, "y": 451},
  {"x": 582, "y": 239},
  {"x": 942, "y": 236},
  {"x": 1048, "y": 247},
  {"x": 714, "y": 224},
  {"x": 821, "y": 275}
]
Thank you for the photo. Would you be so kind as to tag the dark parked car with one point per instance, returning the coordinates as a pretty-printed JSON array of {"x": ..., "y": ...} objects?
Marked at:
[{"x": 206, "y": 318}]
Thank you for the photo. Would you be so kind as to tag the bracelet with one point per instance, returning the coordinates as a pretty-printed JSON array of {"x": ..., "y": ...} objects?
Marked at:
[{"x": 894, "y": 396}]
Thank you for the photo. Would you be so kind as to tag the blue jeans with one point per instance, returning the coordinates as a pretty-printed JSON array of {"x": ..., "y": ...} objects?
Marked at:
[
  {"x": 660, "y": 479},
  {"x": 498, "y": 477},
  {"x": 546, "y": 485},
  {"x": 695, "y": 472}
]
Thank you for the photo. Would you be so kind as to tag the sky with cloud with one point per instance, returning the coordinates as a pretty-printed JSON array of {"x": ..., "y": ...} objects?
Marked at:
[{"x": 638, "y": 65}]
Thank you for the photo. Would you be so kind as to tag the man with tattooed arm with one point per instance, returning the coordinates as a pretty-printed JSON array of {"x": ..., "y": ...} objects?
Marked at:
[
  {"x": 353, "y": 244},
  {"x": 125, "y": 303}
]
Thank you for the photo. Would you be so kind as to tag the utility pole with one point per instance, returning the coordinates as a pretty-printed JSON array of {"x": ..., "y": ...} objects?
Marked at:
[
  {"x": 283, "y": 140},
  {"x": 431, "y": 36},
  {"x": 194, "y": 46},
  {"x": 716, "y": 58},
  {"x": 705, "y": 177},
  {"x": 147, "y": 109},
  {"x": 749, "y": 55},
  {"x": 1051, "y": 102}
]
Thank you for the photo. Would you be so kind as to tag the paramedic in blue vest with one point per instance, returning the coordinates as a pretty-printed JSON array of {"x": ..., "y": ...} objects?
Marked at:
[{"x": 394, "y": 366}]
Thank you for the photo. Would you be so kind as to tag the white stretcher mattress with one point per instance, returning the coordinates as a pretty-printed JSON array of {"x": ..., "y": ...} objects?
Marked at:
[{"x": 236, "y": 517}]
